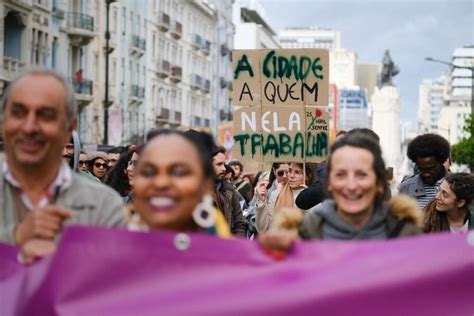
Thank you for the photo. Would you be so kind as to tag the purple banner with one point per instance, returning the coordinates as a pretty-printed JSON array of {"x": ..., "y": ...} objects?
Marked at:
[{"x": 113, "y": 272}]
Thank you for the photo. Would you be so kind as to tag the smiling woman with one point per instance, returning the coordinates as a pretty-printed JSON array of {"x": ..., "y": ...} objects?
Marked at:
[
  {"x": 452, "y": 208},
  {"x": 357, "y": 209},
  {"x": 172, "y": 187}
]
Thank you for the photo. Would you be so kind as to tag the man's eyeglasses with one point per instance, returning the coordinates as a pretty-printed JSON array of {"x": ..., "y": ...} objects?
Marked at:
[
  {"x": 281, "y": 173},
  {"x": 100, "y": 165},
  {"x": 82, "y": 162},
  {"x": 132, "y": 163}
]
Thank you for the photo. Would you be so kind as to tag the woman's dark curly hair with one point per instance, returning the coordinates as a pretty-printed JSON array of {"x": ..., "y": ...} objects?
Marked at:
[
  {"x": 462, "y": 185},
  {"x": 200, "y": 141},
  {"x": 117, "y": 177},
  {"x": 428, "y": 145},
  {"x": 368, "y": 143}
]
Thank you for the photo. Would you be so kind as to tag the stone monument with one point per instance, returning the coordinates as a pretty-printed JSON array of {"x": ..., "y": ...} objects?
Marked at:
[{"x": 386, "y": 113}]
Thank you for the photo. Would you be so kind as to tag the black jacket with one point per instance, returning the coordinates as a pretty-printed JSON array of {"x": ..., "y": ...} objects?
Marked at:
[{"x": 314, "y": 194}]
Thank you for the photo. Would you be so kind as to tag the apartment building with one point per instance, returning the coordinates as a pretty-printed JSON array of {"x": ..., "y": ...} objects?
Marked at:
[{"x": 169, "y": 60}]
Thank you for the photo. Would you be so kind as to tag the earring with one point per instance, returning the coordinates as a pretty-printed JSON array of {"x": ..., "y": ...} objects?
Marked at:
[{"x": 204, "y": 214}]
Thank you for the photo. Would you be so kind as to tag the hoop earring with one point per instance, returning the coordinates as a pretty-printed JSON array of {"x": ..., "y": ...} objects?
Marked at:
[{"x": 204, "y": 215}]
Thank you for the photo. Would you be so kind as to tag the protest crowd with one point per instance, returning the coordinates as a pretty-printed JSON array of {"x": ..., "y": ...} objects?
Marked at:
[{"x": 180, "y": 181}]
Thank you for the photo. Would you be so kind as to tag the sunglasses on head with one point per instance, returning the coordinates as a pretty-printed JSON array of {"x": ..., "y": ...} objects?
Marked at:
[
  {"x": 281, "y": 173},
  {"x": 99, "y": 165}
]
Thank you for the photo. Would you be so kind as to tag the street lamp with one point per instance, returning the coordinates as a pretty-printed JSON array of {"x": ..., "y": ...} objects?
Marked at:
[
  {"x": 107, "y": 52},
  {"x": 459, "y": 67}
]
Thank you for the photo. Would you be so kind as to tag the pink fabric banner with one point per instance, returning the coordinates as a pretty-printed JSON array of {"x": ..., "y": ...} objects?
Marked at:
[{"x": 113, "y": 272}]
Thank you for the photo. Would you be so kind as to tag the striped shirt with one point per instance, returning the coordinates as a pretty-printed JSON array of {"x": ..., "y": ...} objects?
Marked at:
[{"x": 430, "y": 193}]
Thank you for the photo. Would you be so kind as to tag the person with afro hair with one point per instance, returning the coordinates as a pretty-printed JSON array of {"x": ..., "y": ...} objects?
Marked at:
[{"x": 428, "y": 152}]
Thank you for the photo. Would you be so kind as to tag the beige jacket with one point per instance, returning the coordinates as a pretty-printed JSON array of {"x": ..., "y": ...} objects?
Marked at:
[{"x": 92, "y": 204}]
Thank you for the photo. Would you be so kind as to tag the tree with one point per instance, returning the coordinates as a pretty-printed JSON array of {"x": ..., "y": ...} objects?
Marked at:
[{"x": 463, "y": 152}]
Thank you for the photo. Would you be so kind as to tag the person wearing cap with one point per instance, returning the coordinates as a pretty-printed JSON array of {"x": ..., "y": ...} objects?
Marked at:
[
  {"x": 39, "y": 192},
  {"x": 98, "y": 164}
]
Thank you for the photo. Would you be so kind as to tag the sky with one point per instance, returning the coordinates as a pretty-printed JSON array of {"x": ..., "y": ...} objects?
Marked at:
[{"x": 411, "y": 30}]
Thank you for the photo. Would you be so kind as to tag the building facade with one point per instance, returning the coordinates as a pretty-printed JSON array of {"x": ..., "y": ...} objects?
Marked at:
[
  {"x": 60, "y": 35},
  {"x": 353, "y": 109},
  {"x": 309, "y": 37},
  {"x": 169, "y": 60},
  {"x": 251, "y": 28},
  {"x": 458, "y": 99},
  {"x": 430, "y": 102}
]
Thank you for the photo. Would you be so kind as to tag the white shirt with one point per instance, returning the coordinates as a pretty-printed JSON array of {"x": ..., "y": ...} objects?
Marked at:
[
  {"x": 62, "y": 182},
  {"x": 464, "y": 228}
]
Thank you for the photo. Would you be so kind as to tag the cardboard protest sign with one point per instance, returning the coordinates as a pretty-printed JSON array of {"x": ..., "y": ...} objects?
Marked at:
[
  {"x": 295, "y": 77},
  {"x": 247, "y": 133},
  {"x": 246, "y": 77},
  {"x": 225, "y": 132},
  {"x": 317, "y": 133},
  {"x": 283, "y": 134},
  {"x": 280, "y": 90}
]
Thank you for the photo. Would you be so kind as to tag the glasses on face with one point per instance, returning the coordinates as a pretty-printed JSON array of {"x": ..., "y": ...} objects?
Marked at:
[
  {"x": 281, "y": 173},
  {"x": 100, "y": 165},
  {"x": 82, "y": 162},
  {"x": 132, "y": 163}
]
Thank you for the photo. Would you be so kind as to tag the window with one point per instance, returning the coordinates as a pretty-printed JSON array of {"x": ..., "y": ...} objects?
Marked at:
[
  {"x": 114, "y": 25},
  {"x": 96, "y": 67},
  {"x": 174, "y": 54},
  {"x": 54, "y": 54},
  {"x": 114, "y": 70},
  {"x": 124, "y": 20},
  {"x": 122, "y": 69}
]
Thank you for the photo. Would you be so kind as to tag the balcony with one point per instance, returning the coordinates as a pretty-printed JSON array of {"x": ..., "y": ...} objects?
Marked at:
[
  {"x": 206, "y": 47},
  {"x": 196, "y": 82},
  {"x": 206, "y": 86},
  {"x": 176, "y": 74},
  {"x": 42, "y": 4},
  {"x": 80, "y": 28},
  {"x": 23, "y": 5},
  {"x": 83, "y": 91},
  {"x": 176, "y": 30},
  {"x": 196, "y": 41},
  {"x": 164, "y": 117},
  {"x": 12, "y": 68},
  {"x": 163, "y": 68},
  {"x": 58, "y": 13},
  {"x": 137, "y": 94},
  {"x": 163, "y": 21},
  {"x": 137, "y": 45},
  {"x": 112, "y": 42}
]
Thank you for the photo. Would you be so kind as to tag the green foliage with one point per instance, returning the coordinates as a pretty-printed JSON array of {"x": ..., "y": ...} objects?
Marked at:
[{"x": 463, "y": 152}]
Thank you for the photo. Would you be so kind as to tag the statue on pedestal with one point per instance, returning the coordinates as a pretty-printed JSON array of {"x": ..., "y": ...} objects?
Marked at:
[{"x": 389, "y": 70}]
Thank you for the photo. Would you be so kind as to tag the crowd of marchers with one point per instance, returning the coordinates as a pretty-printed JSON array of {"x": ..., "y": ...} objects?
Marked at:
[{"x": 180, "y": 181}]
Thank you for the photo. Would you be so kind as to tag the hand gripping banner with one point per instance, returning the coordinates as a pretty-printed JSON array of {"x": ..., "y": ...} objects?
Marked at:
[{"x": 114, "y": 272}]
